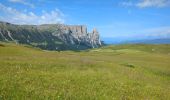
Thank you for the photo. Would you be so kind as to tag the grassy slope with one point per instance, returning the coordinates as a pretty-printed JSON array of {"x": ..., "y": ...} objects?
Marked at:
[{"x": 113, "y": 72}]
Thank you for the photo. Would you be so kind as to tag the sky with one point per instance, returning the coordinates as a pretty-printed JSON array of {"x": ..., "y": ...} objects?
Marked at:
[{"x": 118, "y": 20}]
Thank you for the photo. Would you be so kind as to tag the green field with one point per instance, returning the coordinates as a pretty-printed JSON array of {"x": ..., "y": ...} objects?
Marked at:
[{"x": 122, "y": 72}]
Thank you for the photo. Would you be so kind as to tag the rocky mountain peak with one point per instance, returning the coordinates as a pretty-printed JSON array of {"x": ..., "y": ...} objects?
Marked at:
[
  {"x": 51, "y": 36},
  {"x": 95, "y": 31}
]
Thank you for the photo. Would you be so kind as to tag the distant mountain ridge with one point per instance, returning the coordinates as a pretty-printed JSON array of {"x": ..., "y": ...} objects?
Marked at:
[
  {"x": 51, "y": 36},
  {"x": 151, "y": 41}
]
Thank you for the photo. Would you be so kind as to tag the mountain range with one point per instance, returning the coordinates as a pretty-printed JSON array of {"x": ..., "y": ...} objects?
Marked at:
[
  {"x": 151, "y": 40},
  {"x": 50, "y": 36}
]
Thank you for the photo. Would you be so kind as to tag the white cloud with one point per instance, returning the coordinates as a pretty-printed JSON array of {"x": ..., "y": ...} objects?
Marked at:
[
  {"x": 14, "y": 16},
  {"x": 126, "y": 4},
  {"x": 153, "y": 33},
  {"x": 158, "y": 32},
  {"x": 153, "y": 3},
  {"x": 23, "y": 2},
  {"x": 147, "y": 3}
]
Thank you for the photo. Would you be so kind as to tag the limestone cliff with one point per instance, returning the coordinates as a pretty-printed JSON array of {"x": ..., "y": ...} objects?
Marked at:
[{"x": 51, "y": 36}]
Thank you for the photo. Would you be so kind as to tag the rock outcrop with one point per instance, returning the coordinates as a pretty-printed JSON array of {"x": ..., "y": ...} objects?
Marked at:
[{"x": 51, "y": 36}]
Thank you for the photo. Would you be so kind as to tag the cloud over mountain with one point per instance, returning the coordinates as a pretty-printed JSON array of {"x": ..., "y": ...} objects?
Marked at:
[{"x": 14, "y": 16}]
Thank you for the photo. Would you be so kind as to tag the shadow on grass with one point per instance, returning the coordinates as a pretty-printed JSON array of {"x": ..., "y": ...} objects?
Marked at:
[
  {"x": 1, "y": 45},
  {"x": 128, "y": 65}
]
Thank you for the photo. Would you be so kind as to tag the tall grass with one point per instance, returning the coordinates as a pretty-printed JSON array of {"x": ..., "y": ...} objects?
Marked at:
[{"x": 30, "y": 74}]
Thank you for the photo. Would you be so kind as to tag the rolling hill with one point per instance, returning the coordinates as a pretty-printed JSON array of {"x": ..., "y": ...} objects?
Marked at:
[{"x": 127, "y": 72}]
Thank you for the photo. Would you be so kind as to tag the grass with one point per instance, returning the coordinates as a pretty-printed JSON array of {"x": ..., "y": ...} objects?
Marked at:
[{"x": 127, "y": 72}]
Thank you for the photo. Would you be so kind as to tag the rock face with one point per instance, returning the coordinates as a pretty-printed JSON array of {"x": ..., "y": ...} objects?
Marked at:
[{"x": 51, "y": 36}]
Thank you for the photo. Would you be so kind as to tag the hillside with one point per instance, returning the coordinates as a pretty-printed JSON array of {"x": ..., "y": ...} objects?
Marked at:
[
  {"x": 128, "y": 72},
  {"x": 150, "y": 48},
  {"x": 50, "y": 36}
]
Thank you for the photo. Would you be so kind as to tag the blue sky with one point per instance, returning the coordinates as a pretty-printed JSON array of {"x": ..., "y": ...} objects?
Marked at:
[{"x": 114, "y": 19}]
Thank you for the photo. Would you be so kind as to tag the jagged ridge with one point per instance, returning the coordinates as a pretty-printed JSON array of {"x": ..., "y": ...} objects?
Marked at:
[{"x": 50, "y": 36}]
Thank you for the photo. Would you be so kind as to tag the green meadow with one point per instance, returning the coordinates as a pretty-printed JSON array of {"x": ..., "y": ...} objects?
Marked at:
[{"x": 117, "y": 72}]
